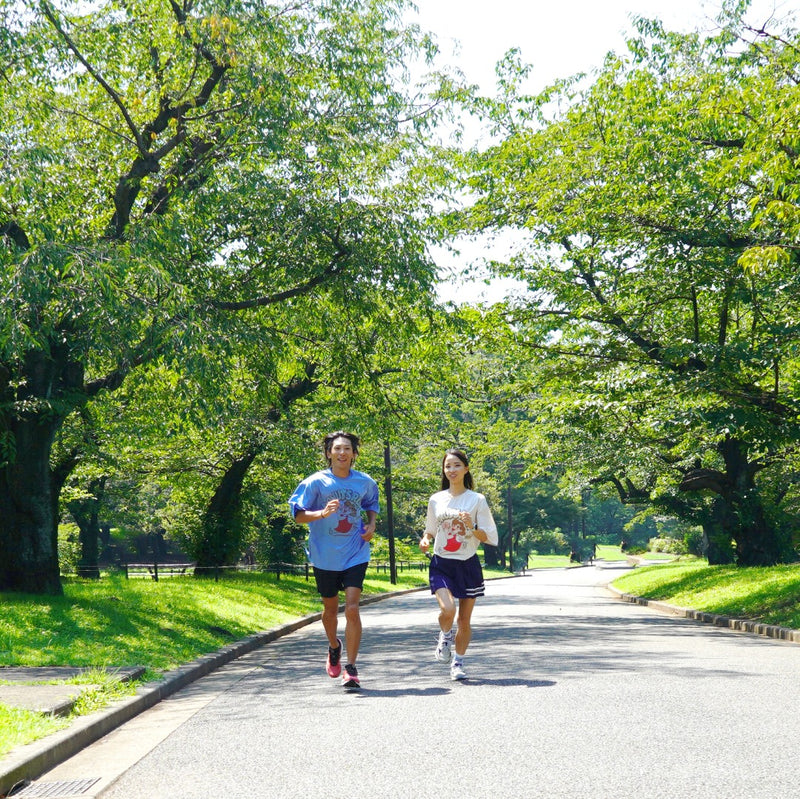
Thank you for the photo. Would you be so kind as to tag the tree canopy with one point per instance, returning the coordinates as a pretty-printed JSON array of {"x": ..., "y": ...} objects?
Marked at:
[
  {"x": 170, "y": 172},
  {"x": 662, "y": 271},
  {"x": 215, "y": 230}
]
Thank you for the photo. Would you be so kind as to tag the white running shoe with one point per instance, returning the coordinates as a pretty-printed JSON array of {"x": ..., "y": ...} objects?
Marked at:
[
  {"x": 444, "y": 647},
  {"x": 457, "y": 671}
]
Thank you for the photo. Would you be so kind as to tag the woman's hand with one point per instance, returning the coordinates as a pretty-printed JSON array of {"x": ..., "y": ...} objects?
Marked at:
[{"x": 465, "y": 517}]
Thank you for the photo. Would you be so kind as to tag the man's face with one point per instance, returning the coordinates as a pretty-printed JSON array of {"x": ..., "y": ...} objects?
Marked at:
[{"x": 341, "y": 454}]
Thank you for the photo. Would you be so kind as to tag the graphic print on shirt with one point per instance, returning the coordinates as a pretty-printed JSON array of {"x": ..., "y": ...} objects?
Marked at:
[
  {"x": 349, "y": 511},
  {"x": 455, "y": 531}
]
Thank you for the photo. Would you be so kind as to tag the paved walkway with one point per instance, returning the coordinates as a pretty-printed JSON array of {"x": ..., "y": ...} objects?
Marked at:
[{"x": 572, "y": 694}]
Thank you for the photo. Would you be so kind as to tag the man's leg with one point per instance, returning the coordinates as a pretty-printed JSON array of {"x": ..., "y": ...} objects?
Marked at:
[
  {"x": 352, "y": 630},
  {"x": 330, "y": 618}
]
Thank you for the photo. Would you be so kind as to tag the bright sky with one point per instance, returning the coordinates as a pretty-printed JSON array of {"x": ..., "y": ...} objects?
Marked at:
[{"x": 560, "y": 38}]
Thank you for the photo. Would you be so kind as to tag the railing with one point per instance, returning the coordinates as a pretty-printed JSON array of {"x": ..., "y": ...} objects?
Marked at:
[
  {"x": 157, "y": 569},
  {"x": 402, "y": 565}
]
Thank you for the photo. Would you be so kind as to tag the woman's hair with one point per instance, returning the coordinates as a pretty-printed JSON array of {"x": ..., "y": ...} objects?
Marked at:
[
  {"x": 327, "y": 444},
  {"x": 462, "y": 456}
]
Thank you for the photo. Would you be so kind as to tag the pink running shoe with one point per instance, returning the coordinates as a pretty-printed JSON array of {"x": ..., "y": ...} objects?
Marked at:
[
  {"x": 333, "y": 664},
  {"x": 350, "y": 677}
]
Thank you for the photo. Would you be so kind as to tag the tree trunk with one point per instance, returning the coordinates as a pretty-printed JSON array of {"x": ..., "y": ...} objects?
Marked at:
[
  {"x": 37, "y": 396},
  {"x": 221, "y": 536},
  {"x": 757, "y": 541},
  {"x": 85, "y": 512},
  {"x": 717, "y": 530},
  {"x": 491, "y": 556},
  {"x": 221, "y": 540},
  {"x": 740, "y": 514},
  {"x": 28, "y": 516}
]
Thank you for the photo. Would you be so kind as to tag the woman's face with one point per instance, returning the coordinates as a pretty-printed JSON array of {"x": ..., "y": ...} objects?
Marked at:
[{"x": 454, "y": 469}]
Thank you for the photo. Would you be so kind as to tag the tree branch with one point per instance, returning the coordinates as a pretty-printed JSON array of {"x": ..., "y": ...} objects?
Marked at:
[
  {"x": 115, "y": 97},
  {"x": 333, "y": 269},
  {"x": 14, "y": 234}
]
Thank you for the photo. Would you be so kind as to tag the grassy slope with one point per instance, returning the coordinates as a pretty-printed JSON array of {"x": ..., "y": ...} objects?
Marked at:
[
  {"x": 117, "y": 622},
  {"x": 160, "y": 625},
  {"x": 771, "y": 595}
]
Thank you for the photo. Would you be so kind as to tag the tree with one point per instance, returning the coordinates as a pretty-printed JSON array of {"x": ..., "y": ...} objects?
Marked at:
[
  {"x": 661, "y": 203},
  {"x": 221, "y": 538},
  {"x": 221, "y": 455},
  {"x": 167, "y": 167}
]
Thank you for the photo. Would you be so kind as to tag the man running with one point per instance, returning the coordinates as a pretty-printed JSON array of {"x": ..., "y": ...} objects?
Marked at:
[{"x": 331, "y": 502}]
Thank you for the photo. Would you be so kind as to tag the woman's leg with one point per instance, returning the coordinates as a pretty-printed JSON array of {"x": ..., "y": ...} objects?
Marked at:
[
  {"x": 447, "y": 609},
  {"x": 464, "y": 632}
]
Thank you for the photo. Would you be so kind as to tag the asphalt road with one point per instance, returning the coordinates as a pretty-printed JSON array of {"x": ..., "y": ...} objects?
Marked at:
[{"x": 572, "y": 693}]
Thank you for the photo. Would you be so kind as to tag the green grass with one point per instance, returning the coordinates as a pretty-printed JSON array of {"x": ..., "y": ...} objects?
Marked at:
[
  {"x": 665, "y": 556},
  {"x": 548, "y": 561},
  {"x": 19, "y": 727},
  {"x": 608, "y": 552},
  {"x": 161, "y": 625},
  {"x": 771, "y": 595}
]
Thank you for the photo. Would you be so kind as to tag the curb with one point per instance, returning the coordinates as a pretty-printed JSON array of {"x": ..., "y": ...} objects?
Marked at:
[
  {"x": 739, "y": 625},
  {"x": 34, "y": 759}
]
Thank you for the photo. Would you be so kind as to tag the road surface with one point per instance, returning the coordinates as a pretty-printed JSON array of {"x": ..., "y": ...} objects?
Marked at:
[{"x": 572, "y": 693}]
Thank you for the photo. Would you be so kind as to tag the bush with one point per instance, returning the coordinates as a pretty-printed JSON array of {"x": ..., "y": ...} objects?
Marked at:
[
  {"x": 69, "y": 548},
  {"x": 694, "y": 542},
  {"x": 672, "y": 546},
  {"x": 404, "y": 549},
  {"x": 543, "y": 542}
]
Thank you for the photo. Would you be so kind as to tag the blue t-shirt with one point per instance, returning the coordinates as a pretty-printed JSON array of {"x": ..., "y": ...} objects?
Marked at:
[{"x": 335, "y": 543}]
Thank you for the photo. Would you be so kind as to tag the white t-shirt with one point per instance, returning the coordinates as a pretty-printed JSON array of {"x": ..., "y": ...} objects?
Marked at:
[{"x": 452, "y": 540}]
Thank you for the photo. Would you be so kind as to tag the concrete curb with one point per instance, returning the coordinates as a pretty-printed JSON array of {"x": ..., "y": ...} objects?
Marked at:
[
  {"x": 32, "y": 760},
  {"x": 29, "y": 762},
  {"x": 739, "y": 625}
]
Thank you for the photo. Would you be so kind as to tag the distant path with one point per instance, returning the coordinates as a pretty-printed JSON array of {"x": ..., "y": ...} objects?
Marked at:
[{"x": 573, "y": 694}]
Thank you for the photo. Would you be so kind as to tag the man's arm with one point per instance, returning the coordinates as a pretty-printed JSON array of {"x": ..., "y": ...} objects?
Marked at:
[
  {"x": 369, "y": 527},
  {"x": 306, "y": 516}
]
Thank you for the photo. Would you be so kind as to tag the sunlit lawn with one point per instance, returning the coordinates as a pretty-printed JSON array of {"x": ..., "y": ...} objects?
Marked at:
[
  {"x": 159, "y": 625},
  {"x": 607, "y": 552},
  {"x": 548, "y": 561},
  {"x": 770, "y": 594}
]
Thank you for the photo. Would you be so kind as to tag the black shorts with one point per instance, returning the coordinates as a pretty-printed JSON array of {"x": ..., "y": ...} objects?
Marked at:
[
  {"x": 463, "y": 578},
  {"x": 329, "y": 583}
]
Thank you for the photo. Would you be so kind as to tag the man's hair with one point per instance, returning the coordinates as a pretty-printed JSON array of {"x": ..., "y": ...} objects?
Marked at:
[{"x": 327, "y": 444}]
